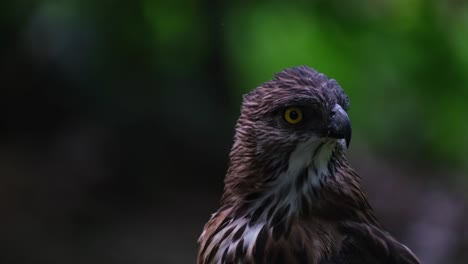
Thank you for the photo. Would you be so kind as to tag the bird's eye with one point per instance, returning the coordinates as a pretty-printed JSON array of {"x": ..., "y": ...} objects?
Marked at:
[{"x": 293, "y": 115}]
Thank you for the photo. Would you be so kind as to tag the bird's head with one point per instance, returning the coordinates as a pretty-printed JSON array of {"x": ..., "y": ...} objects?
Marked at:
[{"x": 290, "y": 123}]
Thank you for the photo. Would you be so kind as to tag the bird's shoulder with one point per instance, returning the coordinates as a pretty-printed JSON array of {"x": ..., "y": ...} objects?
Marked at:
[
  {"x": 325, "y": 242},
  {"x": 365, "y": 243}
]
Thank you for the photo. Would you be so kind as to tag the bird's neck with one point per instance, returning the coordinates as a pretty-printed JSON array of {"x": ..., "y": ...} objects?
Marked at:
[{"x": 315, "y": 180}]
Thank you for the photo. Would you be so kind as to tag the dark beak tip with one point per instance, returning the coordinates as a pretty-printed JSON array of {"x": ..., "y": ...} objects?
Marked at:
[
  {"x": 347, "y": 134},
  {"x": 348, "y": 140}
]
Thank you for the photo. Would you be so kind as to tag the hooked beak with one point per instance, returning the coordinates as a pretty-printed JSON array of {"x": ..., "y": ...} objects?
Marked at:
[{"x": 339, "y": 125}]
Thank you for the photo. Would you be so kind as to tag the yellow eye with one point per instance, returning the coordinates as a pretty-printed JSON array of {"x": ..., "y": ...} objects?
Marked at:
[{"x": 293, "y": 115}]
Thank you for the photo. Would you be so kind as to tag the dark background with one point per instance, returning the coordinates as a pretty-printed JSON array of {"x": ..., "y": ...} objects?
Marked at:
[{"x": 116, "y": 117}]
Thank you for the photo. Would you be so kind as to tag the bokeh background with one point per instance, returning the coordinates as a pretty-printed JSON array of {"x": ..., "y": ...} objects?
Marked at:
[{"x": 116, "y": 117}]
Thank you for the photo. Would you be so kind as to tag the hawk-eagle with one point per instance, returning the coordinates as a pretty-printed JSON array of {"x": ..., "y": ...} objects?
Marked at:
[{"x": 290, "y": 194}]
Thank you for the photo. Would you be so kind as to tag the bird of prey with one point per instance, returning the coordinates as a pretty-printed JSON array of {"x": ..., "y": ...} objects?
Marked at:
[{"x": 290, "y": 195}]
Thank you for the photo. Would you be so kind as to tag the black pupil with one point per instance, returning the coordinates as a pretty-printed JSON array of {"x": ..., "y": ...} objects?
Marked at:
[{"x": 293, "y": 115}]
